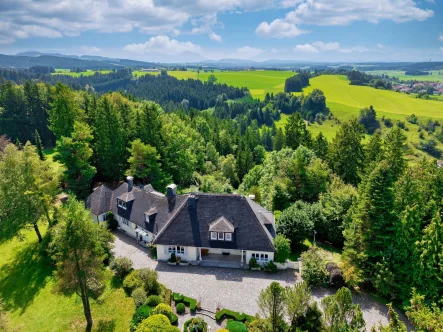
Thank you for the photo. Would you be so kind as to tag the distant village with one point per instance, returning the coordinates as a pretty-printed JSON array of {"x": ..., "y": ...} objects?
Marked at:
[{"x": 430, "y": 88}]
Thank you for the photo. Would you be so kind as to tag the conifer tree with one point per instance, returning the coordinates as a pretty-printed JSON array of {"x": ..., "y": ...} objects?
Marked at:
[
  {"x": 39, "y": 146},
  {"x": 279, "y": 140}
]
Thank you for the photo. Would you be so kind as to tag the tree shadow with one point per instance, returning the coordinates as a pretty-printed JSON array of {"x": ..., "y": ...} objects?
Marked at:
[
  {"x": 23, "y": 278},
  {"x": 105, "y": 326},
  {"x": 116, "y": 282}
]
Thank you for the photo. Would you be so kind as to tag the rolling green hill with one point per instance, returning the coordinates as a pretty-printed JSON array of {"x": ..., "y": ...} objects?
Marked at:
[{"x": 433, "y": 77}]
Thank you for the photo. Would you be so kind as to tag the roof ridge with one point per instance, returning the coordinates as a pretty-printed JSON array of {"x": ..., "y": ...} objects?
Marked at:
[{"x": 162, "y": 231}]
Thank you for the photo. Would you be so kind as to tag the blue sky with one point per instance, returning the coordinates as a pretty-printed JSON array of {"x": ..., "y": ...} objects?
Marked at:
[{"x": 174, "y": 30}]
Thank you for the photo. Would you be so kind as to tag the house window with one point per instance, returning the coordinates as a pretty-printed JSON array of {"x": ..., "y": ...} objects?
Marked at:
[
  {"x": 176, "y": 249},
  {"x": 221, "y": 236},
  {"x": 213, "y": 235},
  {"x": 126, "y": 222},
  {"x": 121, "y": 204},
  {"x": 260, "y": 257},
  {"x": 228, "y": 236}
]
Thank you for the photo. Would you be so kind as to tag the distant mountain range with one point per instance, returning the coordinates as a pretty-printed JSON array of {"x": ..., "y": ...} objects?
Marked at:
[{"x": 57, "y": 60}]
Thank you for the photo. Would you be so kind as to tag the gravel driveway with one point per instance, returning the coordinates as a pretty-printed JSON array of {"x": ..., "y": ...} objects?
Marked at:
[{"x": 235, "y": 289}]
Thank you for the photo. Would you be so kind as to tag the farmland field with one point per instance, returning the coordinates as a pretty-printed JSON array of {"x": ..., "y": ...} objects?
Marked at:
[
  {"x": 436, "y": 75},
  {"x": 259, "y": 82},
  {"x": 345, "y": 102},
  {"x": 85, "y": 73}
]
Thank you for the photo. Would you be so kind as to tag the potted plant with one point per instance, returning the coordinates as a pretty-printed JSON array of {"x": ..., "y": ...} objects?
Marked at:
[
  {"x": 183, "y": 262},
  {"x": 172, "y": 260},
  {"x": 253, "y": 265}
]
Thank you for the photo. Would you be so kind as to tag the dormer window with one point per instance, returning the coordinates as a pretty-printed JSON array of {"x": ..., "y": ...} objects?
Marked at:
[
  {"x": 221, "y": 229},
  {"x": 228, "y": 237},
  {"x": 213, "y": 235},
  {"x": 121, "y": 204},
  {"x": 221, "y": 236}
]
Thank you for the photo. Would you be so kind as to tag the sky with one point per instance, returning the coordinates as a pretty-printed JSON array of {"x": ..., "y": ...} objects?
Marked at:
[{"x": 192, "y": 30}]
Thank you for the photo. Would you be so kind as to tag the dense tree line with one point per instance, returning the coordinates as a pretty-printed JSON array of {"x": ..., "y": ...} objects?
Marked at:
[{"x": 297, "y": 82}]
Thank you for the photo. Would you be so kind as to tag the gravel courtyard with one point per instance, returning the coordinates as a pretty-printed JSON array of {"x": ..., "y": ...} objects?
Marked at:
[{"x": 235, "y": 289}]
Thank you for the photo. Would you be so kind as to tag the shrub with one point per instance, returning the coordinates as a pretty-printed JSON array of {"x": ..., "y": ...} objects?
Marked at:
[
  {"x": 149, "y": 279},
  {"x": 156, "y": 322},
  {"x": 222, "y": 330},
  {"x": 313, "y": 267},
  {"x": 112, "y": 222},
  {"x": 139, "y": 296},
  {"x": 253, "y": 263},
  {"x": 131, "y": 282},
  {"x": 336, "y": 278},
  {"x": 173, "y": 258},
  {"x": 153, "y": 249},
  {"x": 387, "y": 122},
  {"x": 140, "y": 314},
  {"x": 192, "y": 303},
  {"x": 234, "y": 326},
  {"x": 153, "y": 300},
  {"x": 195, "y": 324},
  {"x": 283, "y": 248},
  {"x": 271, "y": 267},
  {"x": 166, "y": 310},
  {"x": 122, "y": 266},
  {"x": 180, "y": 308},
  {"x": 240, "y": 317}
]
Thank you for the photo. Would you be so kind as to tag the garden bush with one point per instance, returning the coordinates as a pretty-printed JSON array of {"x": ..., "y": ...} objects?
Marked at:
[
  {"x": 139, "y": 296},
  {"x": 235, "y": 326},
  {"x": 336, "y": 278},
  {"x": 313, "y": 267},
  {"x": 166, "y": 310},
  {"x": 282, "y": 247},
  {"x": 153, "y": 300},
  {"x": 222, "y": 330},
  {"x": 253, "y": 263},
  {"x": 180, "y": 308},
  {"x": 156, "y": 322},
  {"x": 271, "y": 267},
  {"x": 140, "y": 314},
  {"x": 173, "y": 258},
  {"x": 149, "y": 279},
  {"x": 121, "y": 266},
  {"x": 131, "y": 282},
  {"x": 226, "y": 313},
  {"x": 180, "y": 298}
]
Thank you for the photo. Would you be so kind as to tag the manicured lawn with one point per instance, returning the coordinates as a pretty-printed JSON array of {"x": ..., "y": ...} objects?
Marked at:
[{"x": 28, "y": 293}]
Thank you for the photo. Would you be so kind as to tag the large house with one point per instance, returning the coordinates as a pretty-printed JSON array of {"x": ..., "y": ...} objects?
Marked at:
[{"x": 200, "y": 228}]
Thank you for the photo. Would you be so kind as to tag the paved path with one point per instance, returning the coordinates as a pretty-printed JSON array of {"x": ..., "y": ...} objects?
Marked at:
[{"x": 235, "y": 289}]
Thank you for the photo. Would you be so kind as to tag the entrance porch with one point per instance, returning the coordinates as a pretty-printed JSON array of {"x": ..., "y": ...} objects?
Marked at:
[{"x": 223, "y": 258}]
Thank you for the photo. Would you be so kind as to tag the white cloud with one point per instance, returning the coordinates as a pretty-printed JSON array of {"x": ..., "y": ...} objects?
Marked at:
[
  {"x": 163, "y": 44},
  {"x": 278, "y": 29},
  {"x": 247, "y": 52},
  {"x": 355, "y": 49},
  {"x": 326, "y": 46},
  {"x": 57, "y": 18},
  {"x": 338, "y": 12},
  {"x": 380, "y": 46},
  {"x": 440, "y": 38},
  {"x": 213, "y": 36},
  {"x": 89, "y": 49},
  {"x": 290, "y": 3},
  {"x": 306, "y": 48}
]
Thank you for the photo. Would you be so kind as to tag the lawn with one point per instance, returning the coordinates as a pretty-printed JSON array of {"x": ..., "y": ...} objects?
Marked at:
[
  {"x": 49, "y": 154},
  {"x": 86, "y": 73},
  {"x": 259, "y": 82},
  {"x": 435, "y": 75},
  {"x": 27, "y": 291},
  {"x": 329, "y": 253}
]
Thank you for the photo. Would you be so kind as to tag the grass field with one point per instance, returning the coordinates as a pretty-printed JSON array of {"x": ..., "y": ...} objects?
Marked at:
[
  {"x": 345, "y": 102},
  {"x": 86, "y": 73},
  {"x": 27, "y": 292},
  {"x": 259, "y": 82},
  {"x": 436, "y": 75}
]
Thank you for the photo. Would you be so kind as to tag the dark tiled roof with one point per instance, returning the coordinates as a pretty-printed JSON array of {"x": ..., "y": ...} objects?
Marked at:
[
  {"x": 100, "y": 200},
  {"x": 190, "y": 225}
]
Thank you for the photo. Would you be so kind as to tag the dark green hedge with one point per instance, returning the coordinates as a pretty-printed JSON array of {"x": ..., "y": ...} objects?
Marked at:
[
  {"x": 240, "y": 317},
  {"x": 180, "y": 298}
]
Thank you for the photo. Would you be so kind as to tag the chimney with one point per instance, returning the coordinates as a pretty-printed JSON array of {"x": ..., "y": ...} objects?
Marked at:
[
  {"x": 252, "y": 197},
  {"x": 171, "y": 190},
  {"x": 192, "y": 202},
  {"x": 130, "y": 181}
]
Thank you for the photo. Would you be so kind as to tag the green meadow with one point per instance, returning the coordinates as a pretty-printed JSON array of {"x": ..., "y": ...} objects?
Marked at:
[
  {"x": 435, "y": 75},
  {"x": 345, "y": 102},
  {"x": 259, "y": 82},
  {"x": 85, "y": 73}
]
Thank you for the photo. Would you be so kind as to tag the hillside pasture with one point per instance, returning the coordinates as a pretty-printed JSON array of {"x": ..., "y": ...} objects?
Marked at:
[
  {"x": 435, "y": 75},
  {"x": 85, "y": 73}
]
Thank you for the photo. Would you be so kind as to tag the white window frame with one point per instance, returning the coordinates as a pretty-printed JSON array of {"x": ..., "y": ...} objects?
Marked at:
[
  {"x": 228, "y": 236},
  {"x": 213, "y": 235},
  {"x": 260, "y": 257},
  {"x": 146, "y": 218},
  {"x": 126, "y": 222},
  {"x": 178, "y": 250},
  {"x": 221, "y": 236},
  {"x": 121, "y": 204}
]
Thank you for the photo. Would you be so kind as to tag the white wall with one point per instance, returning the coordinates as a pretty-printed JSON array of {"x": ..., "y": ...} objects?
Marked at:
[
  {"x": 191, "y": 253},
  {"x": 249, "y": 255},
  {"x": 131, "y": 230}
]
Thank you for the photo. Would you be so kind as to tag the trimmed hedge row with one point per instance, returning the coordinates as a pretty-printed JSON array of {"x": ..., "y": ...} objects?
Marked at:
[
  {"x": 180, "y": 298},
  {"x": 240, "y": 317}
]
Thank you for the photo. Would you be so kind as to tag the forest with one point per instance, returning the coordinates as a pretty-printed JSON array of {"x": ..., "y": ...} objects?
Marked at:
[{"x": 363, "y": 198}]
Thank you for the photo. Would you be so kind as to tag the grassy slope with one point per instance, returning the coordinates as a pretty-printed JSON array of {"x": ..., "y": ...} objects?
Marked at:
[
  {"x": 345, "y": 102},
  {"x": 86, "y": 73},
  {"x": 27, "y": 290},
  {"x": 259, "y": 82},
  {"x": 434, "y": 77}
]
